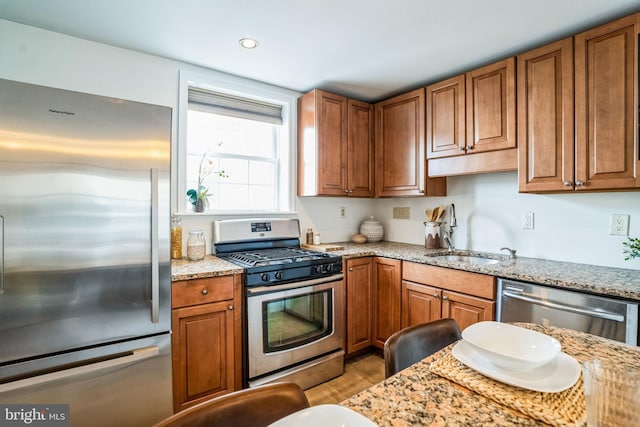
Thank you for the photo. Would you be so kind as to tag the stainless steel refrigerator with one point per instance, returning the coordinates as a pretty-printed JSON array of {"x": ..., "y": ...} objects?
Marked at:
[{"x": 84, "y": 255}]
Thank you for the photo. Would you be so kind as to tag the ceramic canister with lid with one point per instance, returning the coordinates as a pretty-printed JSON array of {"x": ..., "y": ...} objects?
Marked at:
[{"x": 372, "y": 230}]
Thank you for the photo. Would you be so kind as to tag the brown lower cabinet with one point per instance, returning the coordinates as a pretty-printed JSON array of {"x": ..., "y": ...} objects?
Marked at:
[
  {"x": 431, "y": 293},
  {"x": 385, "y": 295},
  {"x": 206, "y": 340}
]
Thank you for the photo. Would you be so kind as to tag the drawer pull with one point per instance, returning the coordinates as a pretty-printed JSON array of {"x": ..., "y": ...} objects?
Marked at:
[
  {"x": 230, "y": 307},
  {"x": 205, "y": 292}
]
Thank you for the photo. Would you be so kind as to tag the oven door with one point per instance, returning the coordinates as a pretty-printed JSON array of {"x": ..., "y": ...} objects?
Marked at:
[{"x": 295, "y": 322}]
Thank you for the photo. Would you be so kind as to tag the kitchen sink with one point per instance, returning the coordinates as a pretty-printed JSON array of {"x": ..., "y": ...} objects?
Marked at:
[{"x": 469, "y": 259}]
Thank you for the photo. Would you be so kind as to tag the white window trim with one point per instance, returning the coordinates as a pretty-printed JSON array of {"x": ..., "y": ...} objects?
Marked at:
[{"x": 238, "y": 86}]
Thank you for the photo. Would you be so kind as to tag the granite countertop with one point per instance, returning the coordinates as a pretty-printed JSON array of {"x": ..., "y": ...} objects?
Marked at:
[
  {"x": 417, "y": 396},
  {"x": 210, "y": 266},
  {"x": 617, "y": 282}
]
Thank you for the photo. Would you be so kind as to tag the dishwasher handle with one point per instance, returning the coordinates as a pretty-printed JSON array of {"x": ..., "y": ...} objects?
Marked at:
[{"x": 601, "y": 314}]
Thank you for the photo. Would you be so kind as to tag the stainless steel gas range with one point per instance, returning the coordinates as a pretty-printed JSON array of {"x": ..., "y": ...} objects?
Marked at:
[{"x": 294, "y": 302}]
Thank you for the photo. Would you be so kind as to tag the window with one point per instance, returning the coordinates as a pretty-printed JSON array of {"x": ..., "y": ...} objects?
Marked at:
[{"x": 242, "y": 138}]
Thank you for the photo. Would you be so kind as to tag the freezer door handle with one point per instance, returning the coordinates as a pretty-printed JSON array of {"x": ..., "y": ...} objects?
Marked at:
[
  {"x": 155, "y": 260},
  {"x": 601, "y": 314},
  {"x": 131, "y": 357}
]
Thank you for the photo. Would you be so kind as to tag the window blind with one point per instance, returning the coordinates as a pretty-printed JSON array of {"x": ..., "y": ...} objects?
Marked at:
[{"x": 234, "y": 106}]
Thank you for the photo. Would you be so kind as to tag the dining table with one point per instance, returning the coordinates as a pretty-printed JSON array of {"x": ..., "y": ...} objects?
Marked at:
[{"x": 440, "y": 390}]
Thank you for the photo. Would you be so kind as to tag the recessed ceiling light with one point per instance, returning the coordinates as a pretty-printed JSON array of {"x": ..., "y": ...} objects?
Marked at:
[{"x": 248, "y": 43}]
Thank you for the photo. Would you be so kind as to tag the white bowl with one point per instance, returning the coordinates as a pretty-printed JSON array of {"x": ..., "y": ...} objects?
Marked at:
[
  {"x": 325, "y": 416},
  {"x": 511, "y": 347}
]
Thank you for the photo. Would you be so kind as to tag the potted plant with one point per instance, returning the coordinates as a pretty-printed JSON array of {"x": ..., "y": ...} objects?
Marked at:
[
  {"x": 199, "y": 197},
  {"x": 631, "y": 248}
]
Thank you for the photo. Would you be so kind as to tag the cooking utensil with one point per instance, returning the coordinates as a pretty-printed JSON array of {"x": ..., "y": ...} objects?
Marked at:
[{"x": 428, "y": 213}]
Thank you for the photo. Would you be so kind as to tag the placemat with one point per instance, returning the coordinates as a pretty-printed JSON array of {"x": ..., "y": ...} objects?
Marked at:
[{"x": 565, "y": 408}]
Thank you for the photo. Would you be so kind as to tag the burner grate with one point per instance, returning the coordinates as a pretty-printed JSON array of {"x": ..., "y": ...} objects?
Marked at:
[{"x": 275, "y": 256}]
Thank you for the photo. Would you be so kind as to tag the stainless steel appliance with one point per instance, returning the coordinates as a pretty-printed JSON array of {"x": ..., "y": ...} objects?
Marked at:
[
  {"x": 84, "y": 255},
  {"x": 605, "y": 317},
  {"x": 294, "y": 302}
]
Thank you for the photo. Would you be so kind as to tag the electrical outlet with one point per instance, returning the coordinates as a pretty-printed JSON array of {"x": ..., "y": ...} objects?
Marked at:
[
  {"x": 402, "y": 213},
  {"x": 343, "y": 212},
  {"x": 619, "y": 225},
  {"x": 527, "y": 221}
]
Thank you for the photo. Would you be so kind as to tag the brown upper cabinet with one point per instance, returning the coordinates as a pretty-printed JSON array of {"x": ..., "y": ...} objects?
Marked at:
[
  {"x": 471, "y": 121},
  {"x": 606, "y": 98},
  {"x": 545, "y": 118},
  {"x": 399, "y": 148},
  {"x": 335, "y": 146},
  {"x": 597, "y": 72}
]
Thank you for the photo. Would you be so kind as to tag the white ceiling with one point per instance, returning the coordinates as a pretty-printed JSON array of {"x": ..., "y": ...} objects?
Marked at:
[{"x": 366, "y": 49}]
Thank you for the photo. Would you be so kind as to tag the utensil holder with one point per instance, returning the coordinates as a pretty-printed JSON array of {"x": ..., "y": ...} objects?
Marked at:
[{"x": 432, "y": 231}]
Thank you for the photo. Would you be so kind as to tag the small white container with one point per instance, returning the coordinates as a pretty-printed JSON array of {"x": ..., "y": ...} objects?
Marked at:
[{"x": 196, "y": 245}]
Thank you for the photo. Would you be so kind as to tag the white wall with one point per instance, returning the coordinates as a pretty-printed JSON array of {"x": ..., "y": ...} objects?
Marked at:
[{"x": 569, "y": 227}]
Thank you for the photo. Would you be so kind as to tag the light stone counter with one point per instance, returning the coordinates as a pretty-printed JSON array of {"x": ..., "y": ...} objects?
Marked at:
[
  {"x": 617, "y": 282},
  {"x": 418, "y": 397}
]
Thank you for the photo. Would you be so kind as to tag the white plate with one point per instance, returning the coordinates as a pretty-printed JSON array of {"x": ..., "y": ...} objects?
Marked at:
[
  {"x": 325, "y": 416},
  {"x": 557, "y": 375}
]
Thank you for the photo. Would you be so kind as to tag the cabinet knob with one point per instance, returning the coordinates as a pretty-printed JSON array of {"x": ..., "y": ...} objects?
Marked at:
[
  {"x": 346, "y": 191},
  {"x": 230, "y": 307},
  {"x": 351, "y": 269},
  {"x": 436, "y": 296},
  {"x": 469, "y": 147},
  {"x": 444, "y": 297},
  {"x": 567, "y": 183},
  {"x": 579, "y": 183},
  {"x": 463, "y": 148},
  {"x": 205, "y": 292}
]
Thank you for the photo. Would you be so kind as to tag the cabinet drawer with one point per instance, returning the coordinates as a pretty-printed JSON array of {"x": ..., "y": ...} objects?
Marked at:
[
  {"x": 201, "y": 291},
  {"x": 466, "y": 282}
]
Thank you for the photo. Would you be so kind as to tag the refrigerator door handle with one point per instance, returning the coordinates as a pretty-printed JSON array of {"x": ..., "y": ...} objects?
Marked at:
[
  {"x": 134, "y": 356},
  {"x": 1, "y": 254},
  {"x": 155, "y": 260}
]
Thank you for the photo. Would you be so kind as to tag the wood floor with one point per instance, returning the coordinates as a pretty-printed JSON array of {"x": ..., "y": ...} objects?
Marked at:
[{"x": 360, "y": 373}]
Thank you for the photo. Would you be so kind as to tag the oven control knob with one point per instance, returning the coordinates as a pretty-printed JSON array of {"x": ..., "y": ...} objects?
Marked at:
[
  {"x": 265, "y": 277},
  {"x": 279, "y": 275}
]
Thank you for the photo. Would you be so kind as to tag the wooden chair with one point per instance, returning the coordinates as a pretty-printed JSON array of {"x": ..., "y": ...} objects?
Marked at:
[
  {"x": 252, "y": 407},
  {"x": 412, "y": 344}
]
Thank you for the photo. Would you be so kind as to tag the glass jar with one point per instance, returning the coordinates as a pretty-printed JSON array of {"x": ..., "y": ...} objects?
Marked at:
[
  {"x": 196, "y": 245},
  {"x": 176, "y": 237}
]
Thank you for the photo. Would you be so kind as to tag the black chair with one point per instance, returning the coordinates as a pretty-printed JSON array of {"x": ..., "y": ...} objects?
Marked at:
[
  {"x": 252, "y": 407},
  {"x": 412, "y": 344}
]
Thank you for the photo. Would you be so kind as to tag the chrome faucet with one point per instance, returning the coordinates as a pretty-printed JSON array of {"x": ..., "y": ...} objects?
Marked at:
[
  {"x": 448, "y": 241},
  {"x": 512, "y": 252},
  {"x": 452, "y": 223}
]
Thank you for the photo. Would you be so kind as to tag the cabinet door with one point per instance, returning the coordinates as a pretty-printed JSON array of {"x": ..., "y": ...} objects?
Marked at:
[
  {"x": 359, "y": 304},
  {"x": 491, "y": 107},
  {"x": 360, "y": 149},
  {"x": 545, "y": 118},
  {"x": 606, "y": 106},
  {"x": 420, "y": 304},
  {"x": 465, "y": 309},
  {"x": 203, "y": 344},
  {"x": 399, "y": 145},
  {"x": 386, "y": 279},
  {"x": 446, "y": 131},
  {"x": 322, "y": 144}
]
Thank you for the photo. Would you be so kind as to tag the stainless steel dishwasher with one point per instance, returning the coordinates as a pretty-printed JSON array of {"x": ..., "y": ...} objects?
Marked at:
[{"x": 602, "y": 316}]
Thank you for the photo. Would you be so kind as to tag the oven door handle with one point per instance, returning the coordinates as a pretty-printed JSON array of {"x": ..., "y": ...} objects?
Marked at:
[
  {"x": 601, "y": 314},
  {"x": 257, "y": 290}
]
